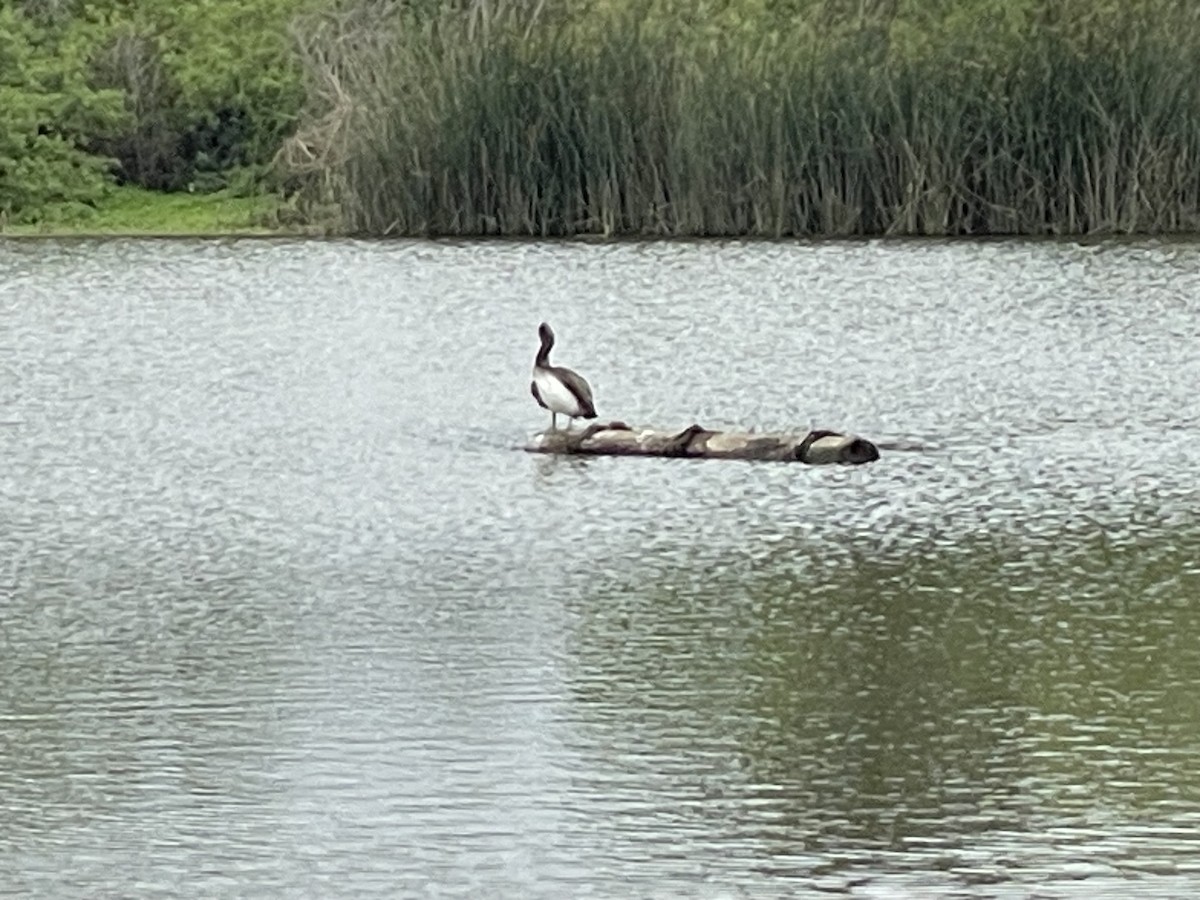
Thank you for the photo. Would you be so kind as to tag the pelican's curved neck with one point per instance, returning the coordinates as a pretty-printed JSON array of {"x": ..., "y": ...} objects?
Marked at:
[{"x": 543, "y": 356}]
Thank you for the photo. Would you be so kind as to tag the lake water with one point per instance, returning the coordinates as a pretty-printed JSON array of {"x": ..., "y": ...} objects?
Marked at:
[{"x": 286, "y": 611}]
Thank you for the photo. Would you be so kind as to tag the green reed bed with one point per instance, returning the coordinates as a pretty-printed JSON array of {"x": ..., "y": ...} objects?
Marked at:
[{"x": 604, "y": 122}]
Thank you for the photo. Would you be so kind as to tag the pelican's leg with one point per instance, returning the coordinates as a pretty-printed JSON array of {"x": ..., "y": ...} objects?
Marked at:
[{"x": 553, "y": 421}]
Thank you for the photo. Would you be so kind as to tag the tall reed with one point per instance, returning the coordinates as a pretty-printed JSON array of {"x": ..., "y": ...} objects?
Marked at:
[{"x": 610, "y": 119}]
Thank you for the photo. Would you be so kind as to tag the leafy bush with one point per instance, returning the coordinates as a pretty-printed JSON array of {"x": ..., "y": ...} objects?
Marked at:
[
  {"x": 163, "y": 94},
  {"x": 211, "y": 87},
  {"x": 50, "y": 110}
]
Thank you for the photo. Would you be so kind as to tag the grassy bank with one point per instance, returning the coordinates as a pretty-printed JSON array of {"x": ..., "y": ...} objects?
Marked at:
[
  {"x": 135, "y": 211},
  {"x": 771, "y": 119}
]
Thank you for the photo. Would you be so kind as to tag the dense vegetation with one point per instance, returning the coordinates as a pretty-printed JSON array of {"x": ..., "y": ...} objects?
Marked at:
[
  {"x": 162, "y": 94},
  {"x": 763, "y": 117}
]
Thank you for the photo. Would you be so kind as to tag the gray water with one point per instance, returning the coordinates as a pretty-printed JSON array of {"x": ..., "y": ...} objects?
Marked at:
[{"x": 286, "y": 611}]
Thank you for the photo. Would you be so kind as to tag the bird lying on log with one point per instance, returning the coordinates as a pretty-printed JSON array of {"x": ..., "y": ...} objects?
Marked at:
[{"x": 557, "y": 388}]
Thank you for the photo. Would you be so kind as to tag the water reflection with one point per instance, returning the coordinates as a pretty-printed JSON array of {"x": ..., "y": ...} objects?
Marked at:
[
  {"x": 894, "y": 714},
  {"x": 286, "y": 611}
]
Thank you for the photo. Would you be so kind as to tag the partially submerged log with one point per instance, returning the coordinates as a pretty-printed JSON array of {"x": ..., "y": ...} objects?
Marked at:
[{"x": 618, "y": 439}]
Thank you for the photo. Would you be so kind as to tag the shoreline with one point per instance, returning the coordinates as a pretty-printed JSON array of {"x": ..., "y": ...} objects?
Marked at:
[
  {"x": 300, "y": 233},
  {"x": 134, "y": 212}
]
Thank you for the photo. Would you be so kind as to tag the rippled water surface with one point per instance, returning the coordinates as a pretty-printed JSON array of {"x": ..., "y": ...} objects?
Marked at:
[{"x": 287, "y": 612}]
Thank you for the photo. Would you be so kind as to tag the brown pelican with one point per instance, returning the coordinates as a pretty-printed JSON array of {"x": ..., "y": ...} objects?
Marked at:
[{"x": 558, "y": 389}]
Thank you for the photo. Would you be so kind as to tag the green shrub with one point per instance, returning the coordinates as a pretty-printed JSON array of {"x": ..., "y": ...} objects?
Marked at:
[
  {"x": 211, "y": 88},
  {"x": 49, "y": 110}
]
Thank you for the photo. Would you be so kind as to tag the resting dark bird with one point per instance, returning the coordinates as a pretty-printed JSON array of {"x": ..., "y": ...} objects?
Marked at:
[{"x": 559, "y": 389}]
